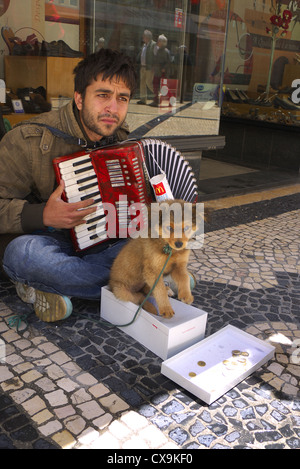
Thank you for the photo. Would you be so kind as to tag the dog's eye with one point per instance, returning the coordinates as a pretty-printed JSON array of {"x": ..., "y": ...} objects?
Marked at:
[
  {"x": 170, "y": 228},
  {"x": 186, "y": 228}
]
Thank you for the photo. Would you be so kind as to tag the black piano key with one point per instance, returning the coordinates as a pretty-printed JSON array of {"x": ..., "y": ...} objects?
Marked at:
[
  {"x": 88, "y": 186},
  {"x": 90, "y": 196},
  {"x": 86, "y": 179},
  {"x": 82, "y": 170},
  {"x": 78, "y": 163}
]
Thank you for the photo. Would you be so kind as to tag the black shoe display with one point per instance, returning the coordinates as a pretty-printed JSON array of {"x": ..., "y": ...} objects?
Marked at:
[
  {"x": 154, "y": 104},
  {"x": 58, "y": 49}
]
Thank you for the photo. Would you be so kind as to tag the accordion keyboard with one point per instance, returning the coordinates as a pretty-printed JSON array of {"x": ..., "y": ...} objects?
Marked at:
[
  {"x": 81, "y": 183},
  {"x": 114, "y": 178}
]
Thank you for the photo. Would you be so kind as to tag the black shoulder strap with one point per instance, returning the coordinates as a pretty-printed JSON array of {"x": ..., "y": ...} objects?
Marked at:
[{"x": 78, "y": 141}]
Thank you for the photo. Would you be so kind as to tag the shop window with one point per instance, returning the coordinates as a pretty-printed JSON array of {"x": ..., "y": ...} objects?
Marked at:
[
  {"x": 180, "y": 87},
  {"x": 263, "y": 62}
]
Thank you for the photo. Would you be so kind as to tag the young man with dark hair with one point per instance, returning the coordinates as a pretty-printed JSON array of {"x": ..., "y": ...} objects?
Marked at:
[{"x": 42, "y": 262}]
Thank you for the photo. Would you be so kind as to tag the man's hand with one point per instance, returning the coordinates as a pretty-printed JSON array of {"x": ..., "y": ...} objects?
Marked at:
[{"x": 60, "y": 214}]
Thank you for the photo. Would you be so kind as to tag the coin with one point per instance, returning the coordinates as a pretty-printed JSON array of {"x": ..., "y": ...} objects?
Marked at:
[
  {"x": 201, "y": 363},
  {"x": 235, "y": 353},
  {"x": 192, "y": 374},
  {"x": 245, "y": 354},
  {"x": 242, "y": 360}
]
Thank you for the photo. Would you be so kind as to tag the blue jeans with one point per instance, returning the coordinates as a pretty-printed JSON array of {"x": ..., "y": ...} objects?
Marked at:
[{"x": 48, "y": 262}]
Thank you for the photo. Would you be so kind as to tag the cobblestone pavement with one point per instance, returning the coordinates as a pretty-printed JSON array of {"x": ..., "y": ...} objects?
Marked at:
[{"x": 81, "y": 384}]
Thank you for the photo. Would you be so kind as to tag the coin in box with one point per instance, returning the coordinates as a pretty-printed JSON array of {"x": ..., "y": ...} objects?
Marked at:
[{"x": 213, "y": 366}]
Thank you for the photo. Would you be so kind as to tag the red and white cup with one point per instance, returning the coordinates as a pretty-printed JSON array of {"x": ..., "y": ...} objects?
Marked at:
[{"x": 161, "y": 187}]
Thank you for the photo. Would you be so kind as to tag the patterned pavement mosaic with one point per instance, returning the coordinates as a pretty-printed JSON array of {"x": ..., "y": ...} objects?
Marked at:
[{"x": 81, "y": 384}]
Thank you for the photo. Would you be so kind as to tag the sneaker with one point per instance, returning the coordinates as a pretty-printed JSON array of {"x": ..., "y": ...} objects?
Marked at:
[
  {"x": 48, "y": 307},
  {"x": 26, "y": 293},
  {"x": 169, "y": 282}
]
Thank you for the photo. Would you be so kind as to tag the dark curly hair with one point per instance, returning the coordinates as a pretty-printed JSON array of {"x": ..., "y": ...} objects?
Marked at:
[{"x": 108, "y": 63}]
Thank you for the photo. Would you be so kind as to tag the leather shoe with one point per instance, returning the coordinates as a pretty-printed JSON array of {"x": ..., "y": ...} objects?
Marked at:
[{"x": 58, "y": 49}]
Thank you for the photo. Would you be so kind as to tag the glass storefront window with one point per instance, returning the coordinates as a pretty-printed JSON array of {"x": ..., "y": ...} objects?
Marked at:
[
  {"x": 206, "y": 55},
  {"x": 180, "y": 88},
  {"x": 262, "y": 69}
]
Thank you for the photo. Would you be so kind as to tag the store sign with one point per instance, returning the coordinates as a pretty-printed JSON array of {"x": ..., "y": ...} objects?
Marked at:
[
  {"x": 178, "y": 18},
  {"x": 296, "y": 94}
]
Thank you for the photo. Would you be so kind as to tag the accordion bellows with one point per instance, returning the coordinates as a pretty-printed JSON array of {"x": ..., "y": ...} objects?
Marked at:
[
  {"x": 114, "y": 173},
  {"x": 162, "y": 156}
]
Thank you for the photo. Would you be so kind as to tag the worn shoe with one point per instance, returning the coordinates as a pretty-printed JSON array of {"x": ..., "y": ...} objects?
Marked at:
[
  {"x": 26, "y": 293},
  {"x": 49, "y": 307},
  {"x": 169, "y": 282}
]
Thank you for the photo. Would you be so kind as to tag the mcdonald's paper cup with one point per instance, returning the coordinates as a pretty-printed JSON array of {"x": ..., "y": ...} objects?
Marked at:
[{"x": 161, "y": 187}]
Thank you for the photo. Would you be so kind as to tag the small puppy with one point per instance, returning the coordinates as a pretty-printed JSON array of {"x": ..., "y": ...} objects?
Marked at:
[{"x": 139, "y": 263}]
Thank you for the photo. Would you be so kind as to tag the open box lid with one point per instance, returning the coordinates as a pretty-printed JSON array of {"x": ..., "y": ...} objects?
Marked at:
[{"x": 213, "y": 366}]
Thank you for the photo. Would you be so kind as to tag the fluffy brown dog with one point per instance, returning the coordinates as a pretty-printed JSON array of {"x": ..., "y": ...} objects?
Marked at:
[{"x": 139, "y": 263}]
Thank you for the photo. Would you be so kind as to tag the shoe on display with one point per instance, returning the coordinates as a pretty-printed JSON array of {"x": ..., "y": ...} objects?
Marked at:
[
  {"x": 154, "y": 104},
  {"x": 58, "y": 49}
]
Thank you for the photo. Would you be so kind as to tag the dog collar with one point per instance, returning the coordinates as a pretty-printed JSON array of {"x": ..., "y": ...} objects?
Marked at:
[{"x": 167, "y": 249}]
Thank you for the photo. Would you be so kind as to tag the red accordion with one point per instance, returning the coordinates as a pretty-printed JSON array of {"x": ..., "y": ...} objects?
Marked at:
[{"x": 118, "y": 175}]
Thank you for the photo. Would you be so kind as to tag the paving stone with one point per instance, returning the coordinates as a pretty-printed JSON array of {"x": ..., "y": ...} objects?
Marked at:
[
  {"x": 75, "y": 424},
  {"x": 50, "y": 427},
  {"x": 90, "y": 410},
  {"x": 34, "y": 405},
  {"x": 103, "y": 421},
  {"x": 56, "y": 398},
  {"x": 64, "y": 439}
]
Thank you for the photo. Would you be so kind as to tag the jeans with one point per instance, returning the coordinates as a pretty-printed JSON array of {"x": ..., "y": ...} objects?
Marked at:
[{"x": 48, "y": 262}]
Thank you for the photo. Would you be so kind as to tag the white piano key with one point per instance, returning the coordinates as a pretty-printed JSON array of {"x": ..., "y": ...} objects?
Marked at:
[
  {"x": 91, "y": 220},
  {"x": 72, "y": 178},
  {"x": 73, "y": 162},
  {"x": 79, "y": 189},
  {"x": 76, "y": 170},
  {"x": 92, "y": 237},
  {"x": 86, "y": 243},
  {"x": 84, "y": 195}
]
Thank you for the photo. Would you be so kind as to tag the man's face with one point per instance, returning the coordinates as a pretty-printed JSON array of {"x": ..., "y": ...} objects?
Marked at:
[{"x": 104, "y": 107}]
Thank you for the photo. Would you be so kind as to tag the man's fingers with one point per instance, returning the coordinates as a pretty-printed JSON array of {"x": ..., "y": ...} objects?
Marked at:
[
  {"x": 81, "y": 214},
  {"x": 84, "y": 204},
  {"x": 59, "y": 190}
]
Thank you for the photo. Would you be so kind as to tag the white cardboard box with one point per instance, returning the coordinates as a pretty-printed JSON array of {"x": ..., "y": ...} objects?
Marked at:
[
  {"x": 164, "y": 337},
  {"x": 208, "y": 370}
]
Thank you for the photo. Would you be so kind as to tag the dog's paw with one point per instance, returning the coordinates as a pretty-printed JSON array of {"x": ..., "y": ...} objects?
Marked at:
[
  {"x": 186, "y": 298},
  {"x": 166, "y": 312}
]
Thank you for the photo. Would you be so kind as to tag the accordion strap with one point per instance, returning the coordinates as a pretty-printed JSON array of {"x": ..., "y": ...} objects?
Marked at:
[{"x": 78, "y": 141}]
